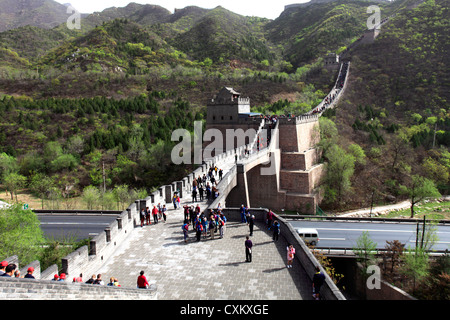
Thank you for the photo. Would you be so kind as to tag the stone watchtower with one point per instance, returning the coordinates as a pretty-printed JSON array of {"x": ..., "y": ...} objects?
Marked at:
[
  {"x": 228, "y": 111},
  {"x": 226, "y": 107},
  {"x": 331, "y": 61}
]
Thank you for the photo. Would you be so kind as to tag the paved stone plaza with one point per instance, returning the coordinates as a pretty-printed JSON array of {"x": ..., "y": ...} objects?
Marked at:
[{"x": 209, "y": 269}]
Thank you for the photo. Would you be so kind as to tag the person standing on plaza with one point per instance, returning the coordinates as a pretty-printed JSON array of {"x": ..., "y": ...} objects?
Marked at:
[
  {"x": 147, "y": 215},
  {"x": 91, "y": 279},
  {"x": 251, "y": 223},
  {"x": 276, "y": 230},
  {"x": 3, "y": 266},
  {"x": 198, "y": 228},
  {"x": 194, "y": 194},
  {"x": 269, "y": 219},
  {"x": 205, "y": 227},
  {"x": 155, "y": 215},
  {"x": 242, "y": 212},
  {"x": 186, "y": 212},
  {"x": 185, "y": 229},
  {"x": 9, "y": 270},
  {"x": 212, "y": 226},
  {"x": 142, "y": 282},
  {"x": 164, "y": 210},
  {"x": 99, "y": 280},
  {"x": 318, "y": 280},
  {"x": 159, "y": 211},
  {"x": 290, "y": 255},
  {"x": 200, "y": 192},
  {"x": 174, "y": 200},
  {"x": 248, "y": 249},
  {"x": 142, "y": 217},
  {"x": 29, "y": 274},
  {"x": 224, "y": 224},
  {"x": 221, "y": 224}
]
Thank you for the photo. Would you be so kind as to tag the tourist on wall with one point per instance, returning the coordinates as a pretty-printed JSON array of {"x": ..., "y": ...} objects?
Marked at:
[
  {"x": 248, "y": 249},
  {"x": 290, "y": 255}
]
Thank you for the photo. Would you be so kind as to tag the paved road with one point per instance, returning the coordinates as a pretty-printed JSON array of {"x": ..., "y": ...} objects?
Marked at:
[
  {"x": 77, "y": 226},
  {"x": 209, "y": 269},
  {"x": 345, "y": 234}
]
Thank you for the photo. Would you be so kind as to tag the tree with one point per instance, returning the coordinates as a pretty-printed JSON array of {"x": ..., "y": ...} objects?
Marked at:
[
  {"x": 418, "y": 189},
  {"x": 108, "y": 200},
  {"x": 41, "y": 184},
  {"x": 91, "y": 196},
  {"x": 14, "y": 182},
  {"x": 8, "y": 164},
  {"x": 392, "y": 255},
  {"x": 415, "y": 264},
  {"x": 122, "y": 195},
  {"x": 365, "y": 250},
  {"x": 339, "y": 170},
  {"x": 356, "y": 151},
  {"x": 20, "y": 234}
]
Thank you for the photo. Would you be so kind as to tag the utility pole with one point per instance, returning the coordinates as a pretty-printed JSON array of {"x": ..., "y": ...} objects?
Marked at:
[
  {"x": 104, "y": 178},
  {"x": 423, "y": 232},
  {"x": 371, "y": 203}
]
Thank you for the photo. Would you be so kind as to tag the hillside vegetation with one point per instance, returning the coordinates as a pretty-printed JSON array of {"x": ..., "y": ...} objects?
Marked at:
[
  {"x": 396, "y": 107},
  {"x": 112, "y": 92}
]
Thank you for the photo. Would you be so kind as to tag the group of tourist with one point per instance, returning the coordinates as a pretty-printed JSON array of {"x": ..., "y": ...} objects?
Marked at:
[
  {"x": 328, "y": 101},
  {"x": 10, "y": 270},
  {"x": 202, "y": 188},
  {"x": 201, "y": 225},
  {"x": 158, "y": 212}
]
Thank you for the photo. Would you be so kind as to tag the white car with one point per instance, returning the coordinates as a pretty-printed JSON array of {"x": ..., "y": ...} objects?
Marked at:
[{"x": 310, "y": 236}]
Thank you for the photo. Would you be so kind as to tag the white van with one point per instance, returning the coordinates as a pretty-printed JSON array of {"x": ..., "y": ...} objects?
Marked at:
[{"x": 309, "y": 235}]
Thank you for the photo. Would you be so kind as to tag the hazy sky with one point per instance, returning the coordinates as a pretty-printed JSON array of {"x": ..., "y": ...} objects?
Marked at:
[{"x": 260, "y": 8}]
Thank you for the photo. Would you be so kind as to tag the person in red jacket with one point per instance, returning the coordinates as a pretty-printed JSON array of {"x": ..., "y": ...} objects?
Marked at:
[
  {"x": 155, "y": 214},
  {"x": 142, "y": 282}
]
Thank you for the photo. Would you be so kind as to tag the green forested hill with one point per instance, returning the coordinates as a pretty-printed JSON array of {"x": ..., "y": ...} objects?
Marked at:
[
  {"x": 113, "y": 91},
  {"x": 40, "y": 13},
  {"x": 396, "y": 106}
]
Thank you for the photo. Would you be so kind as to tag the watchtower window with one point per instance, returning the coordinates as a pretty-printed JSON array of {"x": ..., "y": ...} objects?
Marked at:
[
  {"x": 222, "y": 117},
  {"x": 231, "y": 117}
]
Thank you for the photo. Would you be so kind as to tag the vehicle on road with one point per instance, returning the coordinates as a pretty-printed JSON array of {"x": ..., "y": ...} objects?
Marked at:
[{"x": 308, "y": 235}]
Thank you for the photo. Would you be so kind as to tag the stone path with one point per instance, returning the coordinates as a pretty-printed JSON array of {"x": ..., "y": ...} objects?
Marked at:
[{"x": 209, "y": 269}]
